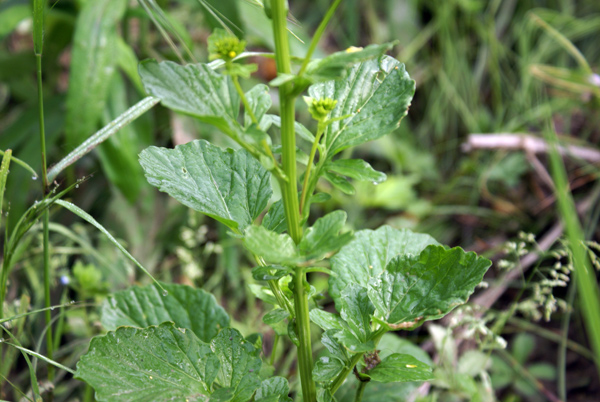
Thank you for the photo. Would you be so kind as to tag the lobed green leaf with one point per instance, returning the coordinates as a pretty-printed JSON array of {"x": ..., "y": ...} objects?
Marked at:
[
  {"x": 367, "y": 255},
  {"x": 326, "y": 369},
  {"x": 196, "y": 90},
  {"x": 161, "y": 363},
  {"x": 416, "y": 288},
  {"x": 273, "y": 247},
  {"x": 240, "y": 364},
  {"x": 229, "y": 186},
  {"x": 185, "y": 306}
]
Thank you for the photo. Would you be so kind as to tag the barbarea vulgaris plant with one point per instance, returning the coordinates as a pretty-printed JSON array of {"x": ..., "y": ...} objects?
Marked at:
[{"x": 178, "y": 345}]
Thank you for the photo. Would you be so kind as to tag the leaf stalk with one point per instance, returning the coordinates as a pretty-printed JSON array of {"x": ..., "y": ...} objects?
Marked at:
[
  {"x": 337, "y": 383},
  {"x": 317, "y": 36}
]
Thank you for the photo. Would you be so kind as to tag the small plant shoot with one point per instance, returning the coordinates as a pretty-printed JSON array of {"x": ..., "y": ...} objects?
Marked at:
[{"x": 177, "y": 344}]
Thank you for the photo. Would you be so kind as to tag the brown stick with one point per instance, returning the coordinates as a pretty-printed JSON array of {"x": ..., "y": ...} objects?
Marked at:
[{"x": 529, "y": 143}]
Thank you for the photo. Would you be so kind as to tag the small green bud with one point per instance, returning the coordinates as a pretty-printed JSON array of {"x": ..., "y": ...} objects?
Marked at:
[
  {"x": 320, "y": 108},
  {"x": 223, "y": 45}
]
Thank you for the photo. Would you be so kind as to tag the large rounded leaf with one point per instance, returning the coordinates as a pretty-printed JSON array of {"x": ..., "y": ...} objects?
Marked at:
[
  {"x": 416, "y": 288},
  {"x": 229, "y": 186},
  {"x": 367, "y": 255},
  {"x": 196, "y": 90},
  {"x": 153, "y": 364},
  {"x": 187, "y": 307},
  {"x": 166, "y": 363}
]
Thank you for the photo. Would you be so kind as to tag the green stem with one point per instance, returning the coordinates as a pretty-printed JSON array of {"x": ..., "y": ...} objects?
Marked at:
[
  {"x": 311, "y": 158},
  {"x": 3, "y": 175},
  {"x": 247, "y": 108},
  {"x": 274, "y": 350},
  {"x": 288, "y": 134},
  {"x": 38, "y": 59},
  {"x": 290, "y": 195},
  {"x": 47, "y": 298},
  {"x": 337, "y": 383},
  {"x": 267, "y": 149},
  {"x": 46, "y": 245},
  {"x": 274, "y": 286},
  {"x": 360, "y": 391},
  {"x": 305, "y": 358},
  {"x": 317, "y": 36},
  {"x": 312, "y": 185}
]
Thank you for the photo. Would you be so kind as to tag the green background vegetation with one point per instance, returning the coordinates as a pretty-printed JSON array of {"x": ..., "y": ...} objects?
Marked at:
[{"x": 481, "y": 67}]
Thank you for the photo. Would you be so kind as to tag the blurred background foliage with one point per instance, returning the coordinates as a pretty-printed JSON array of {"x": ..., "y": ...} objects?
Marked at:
[{"x": 493, "y": 67}]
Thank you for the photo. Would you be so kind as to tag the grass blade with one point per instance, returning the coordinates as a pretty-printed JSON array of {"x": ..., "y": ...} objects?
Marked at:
[
  {"x": 100, "y": 136},
  {"x": 93, "y": 63},
  {"x": 41, "y": 357},
  {"x": 34, "y": 381},
  {"x": 20, "y": 163},
  {"x": 3, "y": 175},
  {"x": 585, "y": 276},
  {"x": 33, "y": 312}
]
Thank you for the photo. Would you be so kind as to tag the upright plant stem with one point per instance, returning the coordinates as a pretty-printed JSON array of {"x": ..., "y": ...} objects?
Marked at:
[
  {"x": 360, "y": 391},
  {"x": 38, "y": 59},
  {"x": 38, "y": 40},
  {"x": 288, "y": 134},
  {"x": 290, "y": 196},
  {"x": 305, "y": 358},
  {"x": 47, "y": 300}
]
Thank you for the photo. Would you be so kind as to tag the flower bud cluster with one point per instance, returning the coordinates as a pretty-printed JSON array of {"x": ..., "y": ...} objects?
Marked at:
[
  {"x": 320, "y": 108},
  {"x": 225, "y": 46}
]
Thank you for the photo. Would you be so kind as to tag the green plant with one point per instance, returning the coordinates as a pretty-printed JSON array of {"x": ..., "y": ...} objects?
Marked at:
[
  {"x": 512, "y": 368},
  {"x": 176, "y": 344}
]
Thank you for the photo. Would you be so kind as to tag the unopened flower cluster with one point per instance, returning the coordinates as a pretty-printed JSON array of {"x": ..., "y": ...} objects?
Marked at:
[{"x": 225, "y": 46}]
